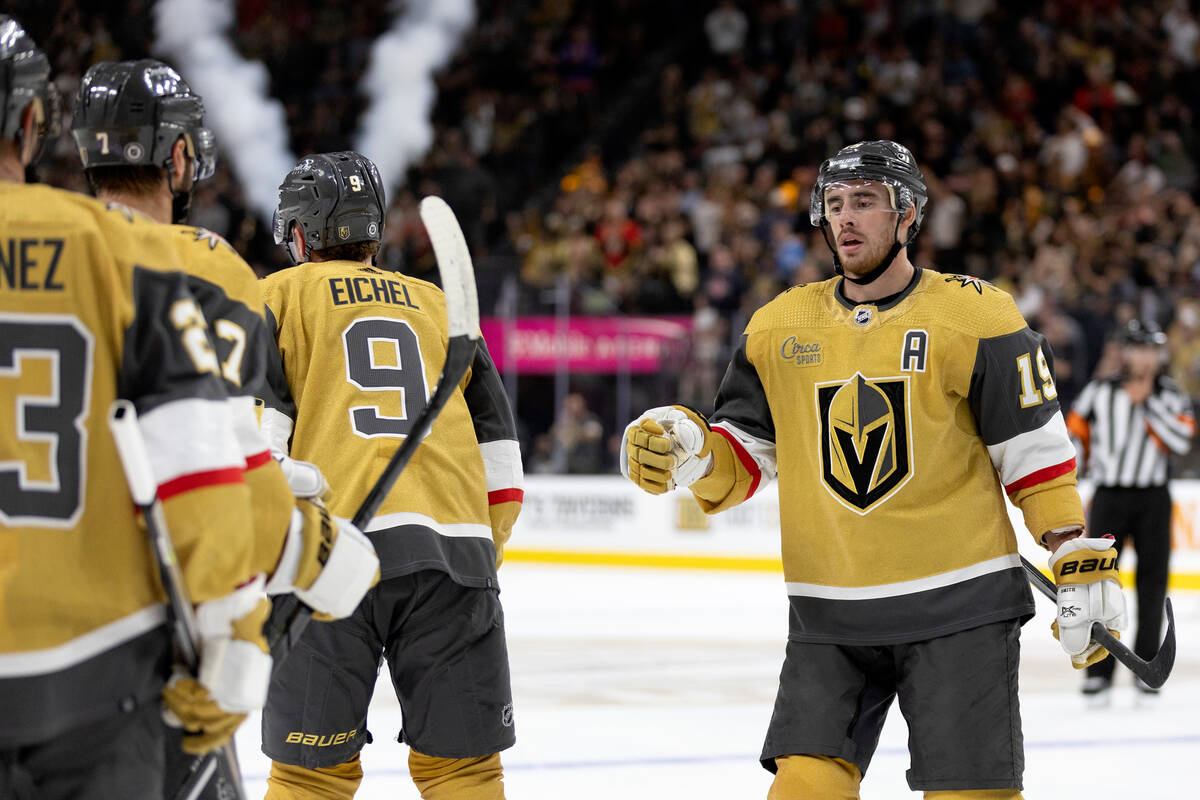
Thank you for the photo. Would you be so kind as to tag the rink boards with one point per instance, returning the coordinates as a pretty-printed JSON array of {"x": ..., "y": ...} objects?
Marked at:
[{"x": 605, "y": 520}]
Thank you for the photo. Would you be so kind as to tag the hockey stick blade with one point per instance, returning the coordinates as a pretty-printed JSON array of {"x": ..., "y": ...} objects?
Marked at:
[
  {"x": 462, "y": 322},
  {"x": 1153, "y": 673},
  {"x": 135, "y": 462}
]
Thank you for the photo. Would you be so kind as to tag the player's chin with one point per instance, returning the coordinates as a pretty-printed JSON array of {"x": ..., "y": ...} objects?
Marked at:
[{"x": 856, "y": 264}]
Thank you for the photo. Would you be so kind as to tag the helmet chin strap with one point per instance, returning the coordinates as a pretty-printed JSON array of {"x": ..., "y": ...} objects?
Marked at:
[{"x": 874, "y": 274}]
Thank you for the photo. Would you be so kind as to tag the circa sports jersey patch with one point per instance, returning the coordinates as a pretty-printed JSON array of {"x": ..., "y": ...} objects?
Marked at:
[
  {"x": 866, "y": 453},
  {"x": 967, "y": 281},
  {"x": 802, "y": 354}
]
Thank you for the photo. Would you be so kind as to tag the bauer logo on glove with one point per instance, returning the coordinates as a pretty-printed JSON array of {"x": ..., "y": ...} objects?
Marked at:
[{"x": 1089, "y": 591}]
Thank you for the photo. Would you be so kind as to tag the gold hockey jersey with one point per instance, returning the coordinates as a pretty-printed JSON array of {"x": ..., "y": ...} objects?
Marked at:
[
  {"x": 896, "y": 432},
  {"x": 230, "y": 295},
  {"x": 361, "y": 351},
  {"x": 89, "y": 314}
]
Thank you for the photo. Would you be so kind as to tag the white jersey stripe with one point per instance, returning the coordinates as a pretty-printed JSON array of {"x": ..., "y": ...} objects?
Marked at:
[
  {"x": 502, "y": 464},
  {"x": 245, "y": 426},
  {"x": 185, "y": 437},
  {"x": 451, "y": 529},
  {"x": 905, "y": 587},
  {"x": 1026, "y": 453},
  {"x": 761, "y": 450},
  {"x": 53, "y": 659}
]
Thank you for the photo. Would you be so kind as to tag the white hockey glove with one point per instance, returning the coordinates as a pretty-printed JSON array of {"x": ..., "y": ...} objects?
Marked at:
[
  {"x": 235, "y": 670},
  {"x": 1089, "y": 590},
  {"x": 304, "y": 478},
  {"x": 327, "y": 562},
  {"x": 666, "y": 447}
]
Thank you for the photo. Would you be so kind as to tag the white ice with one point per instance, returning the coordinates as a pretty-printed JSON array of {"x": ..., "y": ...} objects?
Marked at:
[{"x": 655, "y": 683}]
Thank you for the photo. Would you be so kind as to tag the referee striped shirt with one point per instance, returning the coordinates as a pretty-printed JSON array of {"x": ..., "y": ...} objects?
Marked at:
[{"x": 1123, "y": 444}]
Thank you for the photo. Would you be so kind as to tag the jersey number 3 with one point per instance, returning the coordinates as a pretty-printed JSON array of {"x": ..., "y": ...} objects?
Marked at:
[
  {"x": 45, "y": 382},
  {"x": 384, "y": 355}
]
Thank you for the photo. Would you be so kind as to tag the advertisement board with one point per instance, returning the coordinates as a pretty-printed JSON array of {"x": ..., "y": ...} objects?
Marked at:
[{"x": 606, "y": 520}]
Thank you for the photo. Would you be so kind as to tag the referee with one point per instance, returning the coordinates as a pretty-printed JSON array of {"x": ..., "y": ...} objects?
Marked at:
[{"x": 1127, "y": 427}]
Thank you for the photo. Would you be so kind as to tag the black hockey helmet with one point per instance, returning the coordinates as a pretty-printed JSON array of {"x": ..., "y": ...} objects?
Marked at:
[
  {"x": 25, "y": 78},
  {"x": 337, "y": 198},
  {"x": 1142, "y": 332},
  {"x": 884, "y": 161},
  {"x": 132, "y": 112}
]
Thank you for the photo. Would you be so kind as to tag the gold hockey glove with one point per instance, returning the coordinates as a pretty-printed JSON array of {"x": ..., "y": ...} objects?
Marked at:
[
  {"x": 206, "y": 726},
  {"x": 235, "y": 669},
  {"x": 1089, "y": 590},
  {"x": 666, "y": 447}
]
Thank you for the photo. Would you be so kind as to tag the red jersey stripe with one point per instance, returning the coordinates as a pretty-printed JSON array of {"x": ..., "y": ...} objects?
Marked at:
[
  {"x": 199, "y": 480},
  {"x": 1040, "y": 476},
  {"x": 258, "y": 459},
  {"x": 505, "y": 496},
  {"x": 747, "y": 460}
]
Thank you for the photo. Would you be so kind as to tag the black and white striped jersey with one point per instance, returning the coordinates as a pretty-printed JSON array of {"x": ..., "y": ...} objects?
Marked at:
[{"x": 1125, "y": 444}]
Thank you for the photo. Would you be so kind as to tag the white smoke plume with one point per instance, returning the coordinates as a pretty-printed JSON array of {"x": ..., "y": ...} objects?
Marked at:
[
  {"x": 251, "y": 128},
  {"x": 396, "y": 129}
]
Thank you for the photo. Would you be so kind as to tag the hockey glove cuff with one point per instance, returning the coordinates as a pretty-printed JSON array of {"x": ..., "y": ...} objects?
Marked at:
[
  {"x": 1089, "y": 590},
  {"x": 304, "y": 478},
  {"x": 327, "y": 562},
  {"x": 235, "y": 665},
  {"x": 666, "y": 447}
]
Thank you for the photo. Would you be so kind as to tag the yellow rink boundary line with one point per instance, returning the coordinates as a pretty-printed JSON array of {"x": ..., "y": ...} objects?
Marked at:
[{"x": 1179, "y": 580}]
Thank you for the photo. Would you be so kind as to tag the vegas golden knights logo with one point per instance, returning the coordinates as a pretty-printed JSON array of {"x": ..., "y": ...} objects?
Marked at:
[{"x": 865, "y": 448}]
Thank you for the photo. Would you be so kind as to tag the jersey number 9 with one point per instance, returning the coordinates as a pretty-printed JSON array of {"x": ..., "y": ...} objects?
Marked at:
[{"x": 384, "y": 355}]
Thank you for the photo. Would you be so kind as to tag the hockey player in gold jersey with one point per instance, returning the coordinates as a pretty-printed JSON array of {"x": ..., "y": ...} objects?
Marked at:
[
  {"x": 897, "y": 406},
  {"x": 89, "y": 315},
  {"x": 362, "y": 349},
  {"x": 139, "y": 131}
]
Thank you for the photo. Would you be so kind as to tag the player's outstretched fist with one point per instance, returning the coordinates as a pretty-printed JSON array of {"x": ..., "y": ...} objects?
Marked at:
[
  {"x": 327, "y": 562},
  {"x": 666, "y": 447}
]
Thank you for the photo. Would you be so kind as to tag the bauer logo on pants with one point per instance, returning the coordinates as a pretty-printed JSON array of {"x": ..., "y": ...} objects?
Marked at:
[{"x": 866, "y": 455}]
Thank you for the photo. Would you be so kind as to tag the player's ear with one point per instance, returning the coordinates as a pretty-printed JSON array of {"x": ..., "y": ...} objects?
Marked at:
[
  {"x": 907, "y": 218},
  {"x": 296, "y": 243},
  {"x": 180, "y": 163},
  {"x": 30, "y": 125}
]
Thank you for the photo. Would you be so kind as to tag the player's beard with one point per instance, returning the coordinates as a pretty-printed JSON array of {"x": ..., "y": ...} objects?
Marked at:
[{"x": 869, "y": 256}]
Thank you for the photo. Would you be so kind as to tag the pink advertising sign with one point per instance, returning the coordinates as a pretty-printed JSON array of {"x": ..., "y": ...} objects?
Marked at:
[{"x": 590, "y": 344}]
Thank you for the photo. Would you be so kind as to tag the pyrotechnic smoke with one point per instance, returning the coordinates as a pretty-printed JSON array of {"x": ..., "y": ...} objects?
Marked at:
[
  {"x": 251, "y": 127},
  {"x": 396, "y": 129}
]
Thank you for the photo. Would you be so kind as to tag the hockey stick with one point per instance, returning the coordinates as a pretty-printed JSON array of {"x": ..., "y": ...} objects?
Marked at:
[
  {"x": 462, "y": 316},
  {"x": 135, "y": 461},
  {"x": 1153, "y": 673}
]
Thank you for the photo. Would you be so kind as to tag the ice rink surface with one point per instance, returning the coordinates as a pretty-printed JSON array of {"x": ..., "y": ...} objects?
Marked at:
[{"x": 658, "y": 683}]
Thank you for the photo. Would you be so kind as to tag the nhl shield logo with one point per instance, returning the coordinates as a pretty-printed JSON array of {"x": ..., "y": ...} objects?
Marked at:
[
  {"x": 343, "y": 231},
  {"x": 866, "y": 453},
  {"x": 862, "y": 315}
]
